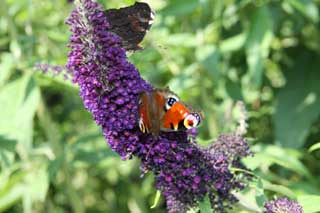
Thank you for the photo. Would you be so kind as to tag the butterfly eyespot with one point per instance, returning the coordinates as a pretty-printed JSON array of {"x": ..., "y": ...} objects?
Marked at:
[
  {"x": 170, "y": 101},
  {"x": 192, "y": 120},
  {"x": 198, "y": 117}
]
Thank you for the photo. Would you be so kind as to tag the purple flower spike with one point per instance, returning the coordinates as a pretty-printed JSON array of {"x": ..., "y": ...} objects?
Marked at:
[
  {"x": 282, "y": 205},
  {"x": 233, "y": 146},
  {"x": 109, "y": 85},
  {"x": 110, "y": 88}
]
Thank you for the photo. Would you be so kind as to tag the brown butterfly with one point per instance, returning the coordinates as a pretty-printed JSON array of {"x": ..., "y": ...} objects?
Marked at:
[{"x": 131, "y": 23}]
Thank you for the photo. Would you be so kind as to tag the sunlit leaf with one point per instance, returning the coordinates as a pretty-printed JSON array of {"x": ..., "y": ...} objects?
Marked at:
[
  {"x": 306, "y": 7},
  {"x": 15, "y": 48},
  {"x": 37, "y": 183},
  {"x": 19, "y": 101},
  {"x": 269, "y": 155},
  {"x": 11, "y": 197},
  {"x": 260, "y": 197},
  {"x": 314, "y": 147},
  {"x": 205, "y": 205},
  {"x": 6, "y": 66},
  {"x": 193, "y": 210},
  {"x": 156, "y": 199},
  {"x": 279, "y": 189},
  {"x": 246, "y": 202},
  {"x": 11, "y": 190},
  {"x": 234, "y": 43},
  {"x": 309, "y": 203}
]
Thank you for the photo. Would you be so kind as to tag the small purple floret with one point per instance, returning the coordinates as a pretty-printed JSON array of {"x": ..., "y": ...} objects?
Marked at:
[{"x": 283, "y": 205}]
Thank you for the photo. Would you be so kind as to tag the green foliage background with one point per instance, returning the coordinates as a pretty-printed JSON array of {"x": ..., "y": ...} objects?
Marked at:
[{"x": 212, "y": 53}]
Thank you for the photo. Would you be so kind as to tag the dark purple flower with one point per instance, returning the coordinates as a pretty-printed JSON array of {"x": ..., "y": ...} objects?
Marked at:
[
  {"x": 283, "y": 205},
  {"x": 232, "y": 145},
  {"x": 110, "y": 88}
]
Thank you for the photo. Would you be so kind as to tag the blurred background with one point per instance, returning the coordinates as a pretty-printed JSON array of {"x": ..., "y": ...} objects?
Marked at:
[{"x": 212, "y": 53}]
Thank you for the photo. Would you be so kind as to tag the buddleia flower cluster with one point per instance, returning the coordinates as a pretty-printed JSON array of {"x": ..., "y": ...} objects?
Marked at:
[
  {"x": 110, "y": 86},
  {"x": 282, "y": 205}
]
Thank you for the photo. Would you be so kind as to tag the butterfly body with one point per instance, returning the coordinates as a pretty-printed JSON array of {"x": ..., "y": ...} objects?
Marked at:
[
  {"x": 162, "y": 110},
  {"x": 130, "y": 23}
]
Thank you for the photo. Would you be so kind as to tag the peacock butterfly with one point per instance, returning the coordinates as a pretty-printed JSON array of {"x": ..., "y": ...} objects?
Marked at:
[
  {"x": 162, "y": 110},
  {"x": 131, "y": 23}
]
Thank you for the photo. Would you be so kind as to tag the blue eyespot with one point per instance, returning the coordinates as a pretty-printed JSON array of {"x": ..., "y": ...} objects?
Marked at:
[{"x": 170, "y": 101}]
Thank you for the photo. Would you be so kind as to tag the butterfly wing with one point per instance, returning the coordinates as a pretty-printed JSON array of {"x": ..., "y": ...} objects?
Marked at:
[
  {"x": 131, "y": 23},
  {"x": 173, "y": 119},
  {"x": 157, "y": 110},
  {"x": 151, "y": 110},
  {"x": 144, "y": 113}
]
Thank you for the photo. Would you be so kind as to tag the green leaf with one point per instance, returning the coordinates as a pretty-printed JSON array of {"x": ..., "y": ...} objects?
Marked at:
[
  {"x": 234, "y": 43},
  {"x": 19, "y": 101},
  {"x": 258, "y": 44},
  {"x": 234, "y": 169},
  {"x": 11, "y": 197},
  {"x": 260, "y": 197},
  {"x": 93, "y": 157},
  {"x": 279, "y": 189},
  {"x": 268, "y": 155},
  {"x": 205, "y": 205},
  {"x": 298, "y": 103},
  {"x": 184, "y": 80},
  {"x": 11, "y": 189},
  {"x": 193, "y": 210},
  {"x": 54, "y": 166},
  {"x": 156, "y": 199},
  {"x": 234, "y": 90},
  {"x": 6, "y": 158},
  {"x": 179, "y": 7},
  {"x": 7, "y": 144},
  {"x": 37, "y": 183},
  {"x": 209, "y": 57},
  {"x": 245, "y": 201},
  {"x": 182, "y": 40},
  {"x": 310, "y": 203},
  {"x": 314, "y": 147},
  {"x": 57, "y": 80},
  {"x": 307, "y": 7},
  {"x": 7, "y": 148},
  {"x": 15, "y": 49},
  {"x": 6, "y": 66},
  {"x": 306, "y": 185}
]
